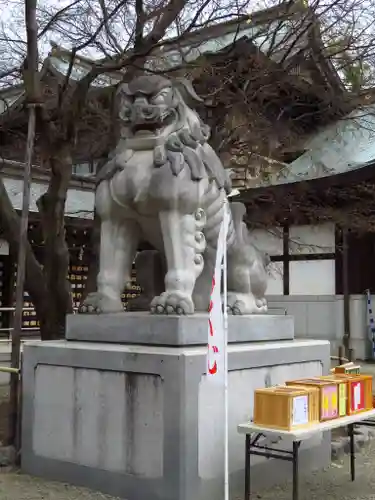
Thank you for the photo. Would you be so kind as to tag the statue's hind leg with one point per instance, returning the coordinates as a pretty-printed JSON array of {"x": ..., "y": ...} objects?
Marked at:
[
  {"x": 241, "y": 262},
  {"x": 240, "y": 297},
  {"x": 119, "y": 239}
]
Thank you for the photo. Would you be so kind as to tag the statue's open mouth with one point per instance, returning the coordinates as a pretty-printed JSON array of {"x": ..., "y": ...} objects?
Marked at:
[
  {"x": 145, "y": 127},
  {"x": 152, "y": 127}
]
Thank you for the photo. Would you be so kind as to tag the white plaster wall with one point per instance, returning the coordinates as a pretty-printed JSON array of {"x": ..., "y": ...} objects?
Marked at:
[
  {"x": 275, "y": 284},
  {"x": 268, "y": 240},
  {"x": 305, "y": 277},
  {"x": 109, "y": 420},
  {"x": 322, "y": 317},
  {"x": 242, "y": 384},
  {"x": 309, "y": 239},
  {"x": 312, "y": 277}
]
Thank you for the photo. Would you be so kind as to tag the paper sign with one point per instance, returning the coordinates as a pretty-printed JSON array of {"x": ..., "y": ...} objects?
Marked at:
[
  {"x": 342, "y": 400},
  {"x": 329, "y": 402},
  {"x": 357, "y": 396},
  {"x": 300, "y": 410}
]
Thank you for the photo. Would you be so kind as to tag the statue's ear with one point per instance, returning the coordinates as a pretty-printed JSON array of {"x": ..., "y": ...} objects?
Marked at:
[{"x": 186, "y": 88}]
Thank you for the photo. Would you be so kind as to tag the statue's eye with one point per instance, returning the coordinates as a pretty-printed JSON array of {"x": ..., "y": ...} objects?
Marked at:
[
  {"x": 125, "y": 112},
  {"x": 160, "y": 97},
  {"x": 126, "y": 101}
]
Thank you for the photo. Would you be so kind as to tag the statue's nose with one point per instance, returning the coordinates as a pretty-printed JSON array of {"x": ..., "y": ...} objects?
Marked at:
[
  {"x": 144, "y": 112},
  {"x": 147, "y": 111}
]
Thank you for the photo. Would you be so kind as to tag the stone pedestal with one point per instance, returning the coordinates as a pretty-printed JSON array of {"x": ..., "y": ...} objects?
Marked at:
[
  {"x": 140, "y": 421},
  {"x": 145, "y": 328}
]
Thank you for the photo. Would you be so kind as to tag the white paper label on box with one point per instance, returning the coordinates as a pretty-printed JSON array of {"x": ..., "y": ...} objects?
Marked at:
[
  {"x": 357, "y": 396},
  {"x": 300, "y": 410}
]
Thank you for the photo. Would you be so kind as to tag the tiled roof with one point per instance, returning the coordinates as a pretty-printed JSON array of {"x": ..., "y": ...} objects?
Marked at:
[
  {"x": 262, "y": 29},
  {"x": 345, "y": 145}
]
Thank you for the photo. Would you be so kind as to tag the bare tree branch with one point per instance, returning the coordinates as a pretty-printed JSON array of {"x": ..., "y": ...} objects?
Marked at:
[{"x": 31, "y": 70}]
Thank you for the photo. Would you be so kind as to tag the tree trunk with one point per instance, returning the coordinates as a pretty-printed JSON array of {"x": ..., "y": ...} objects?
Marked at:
[
  {"x": 35, "y": 283},
  {"x": 51, "y": 207}
]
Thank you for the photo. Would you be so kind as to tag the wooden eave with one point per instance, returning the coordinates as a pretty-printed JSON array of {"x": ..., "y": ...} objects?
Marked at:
[
  {"x": 293, "y": 201},
  {"x": 15, "y": 117},
  {"x": 293, "y": 89},
  {"x": 323, "y": 63},
  {"x": 14, "y": 170}
]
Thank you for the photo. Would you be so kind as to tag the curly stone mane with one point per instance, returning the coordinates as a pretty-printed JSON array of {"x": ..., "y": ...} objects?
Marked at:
[{"x": 188, "y": 147}]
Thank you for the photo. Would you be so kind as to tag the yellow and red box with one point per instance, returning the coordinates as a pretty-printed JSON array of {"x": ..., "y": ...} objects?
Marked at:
[
  {"x": 328, "y": 395},
  {"x": 359, "y": 392}
]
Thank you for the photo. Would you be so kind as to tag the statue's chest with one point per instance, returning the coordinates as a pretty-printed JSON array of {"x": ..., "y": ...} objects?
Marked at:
[{"x": 132, "y": 182}]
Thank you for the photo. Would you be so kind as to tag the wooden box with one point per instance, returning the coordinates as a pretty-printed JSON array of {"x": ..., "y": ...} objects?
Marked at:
[
  {"x": 349, "y": 368},
  {"x": 328, "y": 395},
  {"x": 359, "y": 392},
  {"x": 343, "y": 399},
  {"x": 286, "y": 408}
]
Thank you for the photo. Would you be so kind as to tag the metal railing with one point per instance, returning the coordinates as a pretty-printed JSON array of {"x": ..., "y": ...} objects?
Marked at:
[{"x": 29, "y": 331}]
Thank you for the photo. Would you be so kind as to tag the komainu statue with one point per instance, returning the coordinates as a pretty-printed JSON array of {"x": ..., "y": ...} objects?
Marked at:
[{"x": 164, "y": 184}]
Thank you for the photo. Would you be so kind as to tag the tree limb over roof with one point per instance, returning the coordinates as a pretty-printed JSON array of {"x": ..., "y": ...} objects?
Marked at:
[{"x": 267, "y": 81}]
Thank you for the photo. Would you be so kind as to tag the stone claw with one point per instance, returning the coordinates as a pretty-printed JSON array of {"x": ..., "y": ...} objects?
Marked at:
[
  {"x": 88, "y": 309},
  {"x": 174, "y": 302},
  {"x": 97, "y": 303},
  {"x": 170, "y": 310},
  {"x": 261, "y": 303},
  {"x": 241, "y": 303}
]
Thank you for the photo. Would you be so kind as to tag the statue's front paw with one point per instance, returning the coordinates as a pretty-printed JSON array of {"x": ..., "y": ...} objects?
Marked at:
[
  {"x": 261, "y": 303},
  {"x": 172, "y": 302},
  {"x": 243, "y": 303},
  {"x": 98, "y": 303}
]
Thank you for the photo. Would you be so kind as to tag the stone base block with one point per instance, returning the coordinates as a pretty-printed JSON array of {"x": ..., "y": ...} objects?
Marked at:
[
  {"x": 142, "y": 422},
  {"x": 145, "y": 328}
]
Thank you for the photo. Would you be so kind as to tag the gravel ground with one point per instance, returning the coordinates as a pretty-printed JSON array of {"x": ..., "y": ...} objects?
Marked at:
[
  {"x": 333, "y": 483},
  {"x": 15, "y": 486}
]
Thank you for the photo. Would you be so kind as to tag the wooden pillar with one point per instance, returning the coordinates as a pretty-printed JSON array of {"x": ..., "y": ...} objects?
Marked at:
[
  {"x": 345, "y": 282},
  {"x": 286, "y": 270}
]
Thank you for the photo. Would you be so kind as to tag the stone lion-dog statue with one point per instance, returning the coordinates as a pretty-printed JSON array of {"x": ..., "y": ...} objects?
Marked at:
[{"x": 164, "y": 184}]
